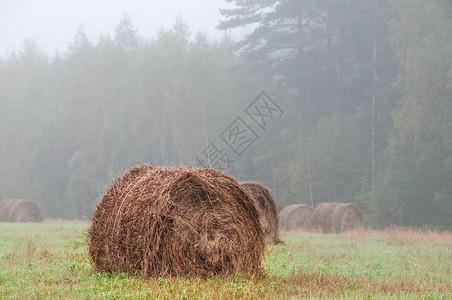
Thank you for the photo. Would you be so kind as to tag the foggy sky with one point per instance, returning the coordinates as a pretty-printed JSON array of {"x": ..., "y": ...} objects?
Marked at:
[{"x": 53, "y": 23}]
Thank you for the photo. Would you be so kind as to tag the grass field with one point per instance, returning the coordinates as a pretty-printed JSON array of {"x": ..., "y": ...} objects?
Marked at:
[{"x": 50, "y": 260}]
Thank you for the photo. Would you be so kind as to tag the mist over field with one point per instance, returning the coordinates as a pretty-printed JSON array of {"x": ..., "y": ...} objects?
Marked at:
[{"x": 322, "y": 101}]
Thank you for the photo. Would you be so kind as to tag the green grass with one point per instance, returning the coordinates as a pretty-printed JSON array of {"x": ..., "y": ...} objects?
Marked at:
[{"x": 50, "y": 260}]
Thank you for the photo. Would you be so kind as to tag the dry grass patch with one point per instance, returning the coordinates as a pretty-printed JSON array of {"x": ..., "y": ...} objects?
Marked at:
[{"x": 401, "y": 234}]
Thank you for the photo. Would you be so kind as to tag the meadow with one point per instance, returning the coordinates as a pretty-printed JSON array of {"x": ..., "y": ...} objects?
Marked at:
[{"x": 50, "y": 261}]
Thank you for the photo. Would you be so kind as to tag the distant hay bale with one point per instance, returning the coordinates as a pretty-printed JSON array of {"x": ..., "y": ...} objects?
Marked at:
[
  {"x": 322, "y": 218},
  {"x": 337, "y": 217},
  {"x": 296, "y": 217},
  {"x": 267, "y": 205},
  {"x": 20, "y": 211},
  {"x": 346, "y": 217},
  {"x": 176, "y": 221}
]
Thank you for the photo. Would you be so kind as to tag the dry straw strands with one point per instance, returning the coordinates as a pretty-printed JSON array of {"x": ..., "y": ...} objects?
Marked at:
[
  {"x": 346, "y": 217},
  {"x": 267, "y": 205},
  {"x": 296, "y": 217},
  {"x": 176, "y": 221},
  {"x": 20, "y": 211},
  {"x": 322, "y": 218},
  {"x": 336, "y": 217}
]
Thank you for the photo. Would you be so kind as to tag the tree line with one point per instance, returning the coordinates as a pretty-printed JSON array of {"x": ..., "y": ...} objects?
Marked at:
[{"x": 363, "y": 87}]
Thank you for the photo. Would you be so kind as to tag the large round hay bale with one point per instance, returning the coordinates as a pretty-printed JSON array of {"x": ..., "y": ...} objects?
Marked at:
[
  {"x": 268, "y": 211},
  {"x": 20, "y": 211},
  {"x": 296, "y": 217},
  {"x": 176, "y": 221},
  {"x": 322, "y": 218},
  {"x": 346, "y": 217}
]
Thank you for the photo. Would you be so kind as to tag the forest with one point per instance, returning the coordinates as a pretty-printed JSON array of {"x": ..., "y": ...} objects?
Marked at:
[{"x": 323, "y": 101}]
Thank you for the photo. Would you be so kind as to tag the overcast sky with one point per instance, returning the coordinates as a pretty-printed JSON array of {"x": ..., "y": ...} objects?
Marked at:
[{"x": 53, "y": 23}]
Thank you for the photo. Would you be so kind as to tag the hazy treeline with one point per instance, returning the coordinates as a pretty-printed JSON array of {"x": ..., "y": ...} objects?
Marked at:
[
  {"x": 365, "y": 87},
  {"x": 72, "y": 122}
]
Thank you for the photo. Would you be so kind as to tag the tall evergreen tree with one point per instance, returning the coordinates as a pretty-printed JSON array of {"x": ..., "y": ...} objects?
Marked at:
[{"x": 318, "y": 58}]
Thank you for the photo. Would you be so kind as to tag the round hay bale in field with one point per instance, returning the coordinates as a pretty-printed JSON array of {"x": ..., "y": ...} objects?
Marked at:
[
  {"x": 296, "y": 217},
  {"x": 346, "y": 217},
  {"x": 176, "y": 221},
  {"x": 322, "y": 217},
  {"x": 268, "y": 211},
  {"x": 20, "y": 211}
]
